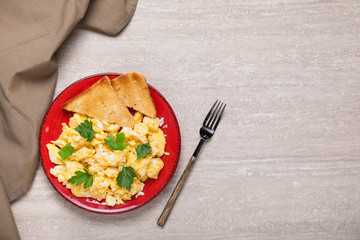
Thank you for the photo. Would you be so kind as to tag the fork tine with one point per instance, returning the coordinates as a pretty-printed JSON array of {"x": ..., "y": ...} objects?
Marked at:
[
  {"x": 210, "y": 112},
  {"x": 213, "y": 115},
  {"x": 218, "y": 119}
]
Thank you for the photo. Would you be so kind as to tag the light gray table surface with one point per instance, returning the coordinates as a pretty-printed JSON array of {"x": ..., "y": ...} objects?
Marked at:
[{"x": 285, "y": 160}]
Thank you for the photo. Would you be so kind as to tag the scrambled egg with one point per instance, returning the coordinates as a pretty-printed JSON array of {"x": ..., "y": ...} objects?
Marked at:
[{"x": 104, "y": 163}]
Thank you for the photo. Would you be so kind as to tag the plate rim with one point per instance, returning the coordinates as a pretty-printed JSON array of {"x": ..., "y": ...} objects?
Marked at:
[{"x": 117, "y": 210}]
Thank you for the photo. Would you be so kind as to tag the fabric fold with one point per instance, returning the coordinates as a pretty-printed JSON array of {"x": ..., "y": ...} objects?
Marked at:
[
  {"x": 28, "y": 78},
  {"x": 31, "y": 32},
  {"x": 8, "y": 228},
  {"x": 108, "y": 16}
]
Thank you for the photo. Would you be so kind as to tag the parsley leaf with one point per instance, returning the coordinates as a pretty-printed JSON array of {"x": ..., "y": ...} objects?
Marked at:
[
  {"x": 81, "y": 177},
  {"x": 126, "y": 177},
  {"x": 143, "y": 150},
  {"x": 117, "y": 144},
  {"x": 86, "y": 130},
  {"x": 66, "y": 151}
]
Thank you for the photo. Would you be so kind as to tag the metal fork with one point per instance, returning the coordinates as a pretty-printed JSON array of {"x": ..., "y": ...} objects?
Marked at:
[{"x": 207, "y": 130}]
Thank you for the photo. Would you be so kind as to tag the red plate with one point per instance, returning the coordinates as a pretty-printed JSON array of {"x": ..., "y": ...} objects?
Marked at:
[{"x": 51, "y": 130}]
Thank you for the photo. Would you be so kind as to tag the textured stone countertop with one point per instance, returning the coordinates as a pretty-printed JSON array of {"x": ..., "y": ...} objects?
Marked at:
[{"x": 285, "y": 160}]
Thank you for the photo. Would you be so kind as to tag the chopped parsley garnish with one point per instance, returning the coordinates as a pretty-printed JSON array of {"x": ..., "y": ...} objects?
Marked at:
[
  {"x": 66, "y": 151},
  {"x": 86, "y": 130},
  {"x": 81, "y": 177},
  {"x": 143, "y": 150},
  {"x": 118, "y": 143},
  {"x": 126, "y": 177}
]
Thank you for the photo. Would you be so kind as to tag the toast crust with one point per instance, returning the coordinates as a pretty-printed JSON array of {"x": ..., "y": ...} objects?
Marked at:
[
  {"x": 133, "y": 90},
  {"x": 100, "y": 101}
]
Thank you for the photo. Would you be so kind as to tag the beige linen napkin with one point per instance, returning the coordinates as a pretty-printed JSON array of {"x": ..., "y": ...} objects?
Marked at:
[{"x": 30, "y": 33}]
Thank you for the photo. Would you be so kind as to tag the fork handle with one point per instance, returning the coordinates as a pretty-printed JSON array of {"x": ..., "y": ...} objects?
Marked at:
[{"x": 170, "y": 203}]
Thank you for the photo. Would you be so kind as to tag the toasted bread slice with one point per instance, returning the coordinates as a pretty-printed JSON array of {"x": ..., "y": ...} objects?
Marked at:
[
  {"x": 100, "y": 101},
  {"x": 133, "y": 90}
]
